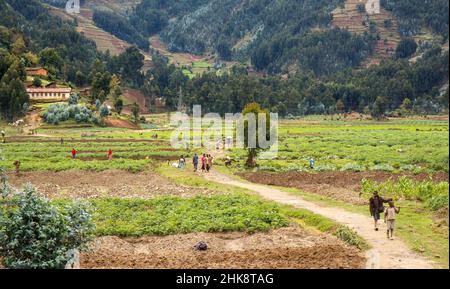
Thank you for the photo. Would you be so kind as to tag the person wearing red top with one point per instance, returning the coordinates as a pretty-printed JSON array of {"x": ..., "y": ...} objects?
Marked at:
[
  {"x": 110, "y": 153},
  {"x": 203, "y": 162},
  {"x": 74, "y": 153}
]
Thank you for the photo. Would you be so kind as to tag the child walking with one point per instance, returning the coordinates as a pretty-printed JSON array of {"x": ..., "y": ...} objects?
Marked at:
[{"x": 389, "y": 218}]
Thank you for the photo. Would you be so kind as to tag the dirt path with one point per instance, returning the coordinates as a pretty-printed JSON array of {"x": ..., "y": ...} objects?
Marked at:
[{"x": 385, "y": 254}]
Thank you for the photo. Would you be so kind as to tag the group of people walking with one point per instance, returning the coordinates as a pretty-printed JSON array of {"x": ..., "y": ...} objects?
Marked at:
[{"x": 206, "y": 161}]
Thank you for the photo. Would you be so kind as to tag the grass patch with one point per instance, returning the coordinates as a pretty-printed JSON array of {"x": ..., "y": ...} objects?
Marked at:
[
  {"x": 174, "y": 215},
  {"x": 326, "y": 225}
]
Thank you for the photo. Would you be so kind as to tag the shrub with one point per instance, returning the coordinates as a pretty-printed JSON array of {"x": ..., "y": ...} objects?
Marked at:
[
  {"x": 104, "y": 111},
  {"x": 350, "y": 237},
  {"x": 34, "y": 234},
  {"x": 57, "y": 113},
  {"x": 353, "y": 168}
]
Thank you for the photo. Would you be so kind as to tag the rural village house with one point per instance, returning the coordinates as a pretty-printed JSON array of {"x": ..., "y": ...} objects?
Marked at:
[
  {"x": 38, "y": 71},
  {"x": 51, "y": 93}
]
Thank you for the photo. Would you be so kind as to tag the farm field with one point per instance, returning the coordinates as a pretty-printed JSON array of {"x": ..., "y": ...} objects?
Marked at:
[
  {"x": 142, "y": 203},
  {"x": 400, "y": 145}
]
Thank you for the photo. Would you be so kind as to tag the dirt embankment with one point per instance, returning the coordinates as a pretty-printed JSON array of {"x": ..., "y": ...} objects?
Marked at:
[
  {"x": 113, "y": 183},
  {"x": 339, "y": 185},
  {"x": 290, "y": 247}
]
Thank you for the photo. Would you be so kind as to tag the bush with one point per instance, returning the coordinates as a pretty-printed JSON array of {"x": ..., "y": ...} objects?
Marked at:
[
  {"x": 34, "y": 234},
  {"x": 57, "y": 113},
  {"x": 350, "y": 237}
]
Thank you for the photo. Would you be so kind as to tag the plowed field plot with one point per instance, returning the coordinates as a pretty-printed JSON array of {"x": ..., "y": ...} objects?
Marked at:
[{"x": 290, "y": 247}]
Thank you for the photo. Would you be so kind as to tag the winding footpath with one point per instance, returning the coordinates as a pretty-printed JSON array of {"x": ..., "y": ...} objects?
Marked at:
[{"x": 385, "y": 254}]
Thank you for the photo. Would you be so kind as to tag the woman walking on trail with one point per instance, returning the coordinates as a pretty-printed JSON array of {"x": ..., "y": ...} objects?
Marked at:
[
  {"x": 203, "y": 162},
  {"x": 376, "y": 207},
  {"x": 210, "y": 162}
]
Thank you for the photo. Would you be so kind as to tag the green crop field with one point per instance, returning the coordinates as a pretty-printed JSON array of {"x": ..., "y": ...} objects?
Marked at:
[{"x": 417, "y": 146}]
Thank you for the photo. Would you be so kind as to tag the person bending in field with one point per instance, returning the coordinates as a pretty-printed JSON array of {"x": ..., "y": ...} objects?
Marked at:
[
  {"x": 389, "y": 218},
  {"x": 195, "y": 162},
  {"x": 376, "y": 207}
]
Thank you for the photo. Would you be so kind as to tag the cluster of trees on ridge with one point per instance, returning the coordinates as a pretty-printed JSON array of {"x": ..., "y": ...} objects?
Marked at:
[{"x": 395, "y": 85}]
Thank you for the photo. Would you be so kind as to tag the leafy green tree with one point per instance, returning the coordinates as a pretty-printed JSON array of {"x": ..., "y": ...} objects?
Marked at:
[
  {"x": 252, "y": 152},
  {"x": 379, "y": 107},
  {"x": 406, "y": 48},
  {"x": 135, "y": 112},
  {"x": 37, "y": 82},
  {"x": 37, "y": 235},
  {"x": 118, "y": 105}
]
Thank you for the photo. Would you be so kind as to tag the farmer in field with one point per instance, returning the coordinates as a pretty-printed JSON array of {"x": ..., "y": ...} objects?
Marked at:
[
  {"x": 3, "y": 136},
  {"x": 195, "y": 162},
  {"x": 110, "y": 154},
  {"x": 312, "y": 163},
  {"x": 62, "y": 141},
  {"x": 17, "y": 165},
  {"x": 376, "y": 207},
  {"x": 389, "y": 218},
  {"x": 74, "y": 153}
]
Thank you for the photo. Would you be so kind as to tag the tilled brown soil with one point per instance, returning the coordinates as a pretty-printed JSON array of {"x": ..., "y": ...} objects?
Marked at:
[
  {"x": 113, "y": 183},
  {"x": 290, "y": 247},
  {"x": 339, "y": 185}
]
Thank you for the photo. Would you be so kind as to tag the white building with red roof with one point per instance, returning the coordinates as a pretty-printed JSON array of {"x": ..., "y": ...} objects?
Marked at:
[{"x": 48, "y": 93}]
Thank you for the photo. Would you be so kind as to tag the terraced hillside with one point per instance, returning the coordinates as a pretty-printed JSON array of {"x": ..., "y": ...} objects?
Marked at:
[
  {"x": 384, "y": 23},
  {"x": 104, "y": 40}
]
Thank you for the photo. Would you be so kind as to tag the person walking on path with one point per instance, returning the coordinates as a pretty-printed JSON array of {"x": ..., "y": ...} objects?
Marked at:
[
  {"x": 389, "y": 218},
  {"x": 376, "y": 207},
  {"x": 210, "y": 162},
  {"x": 203, "y": 163},
  {"x": 195, "y": 162}
]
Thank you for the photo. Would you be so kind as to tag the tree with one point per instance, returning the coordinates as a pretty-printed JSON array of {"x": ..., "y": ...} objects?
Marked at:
[
  {"x": 104, "y": 111},
  {"x": 37, "y": 82},
  {"x": 37, "y": 235},
  {"x": 252, "y": 152},
  {"x": 50, "y": 59},
  {"x": 379, "y": 107},
  {"x": 135, "y": 112},
  {"x": 118, "y": 105},
  {"x": 340, "y": 107},
  {"x": 406, "y": 48}
]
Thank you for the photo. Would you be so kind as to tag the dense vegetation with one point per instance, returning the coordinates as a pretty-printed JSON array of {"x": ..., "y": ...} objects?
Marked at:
[
  {"x": 120, "y": 27},
  {"x": 278, "y": 36},
  {"x": 414, "y": 15},
  {"x": 396, "y": 86}
]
